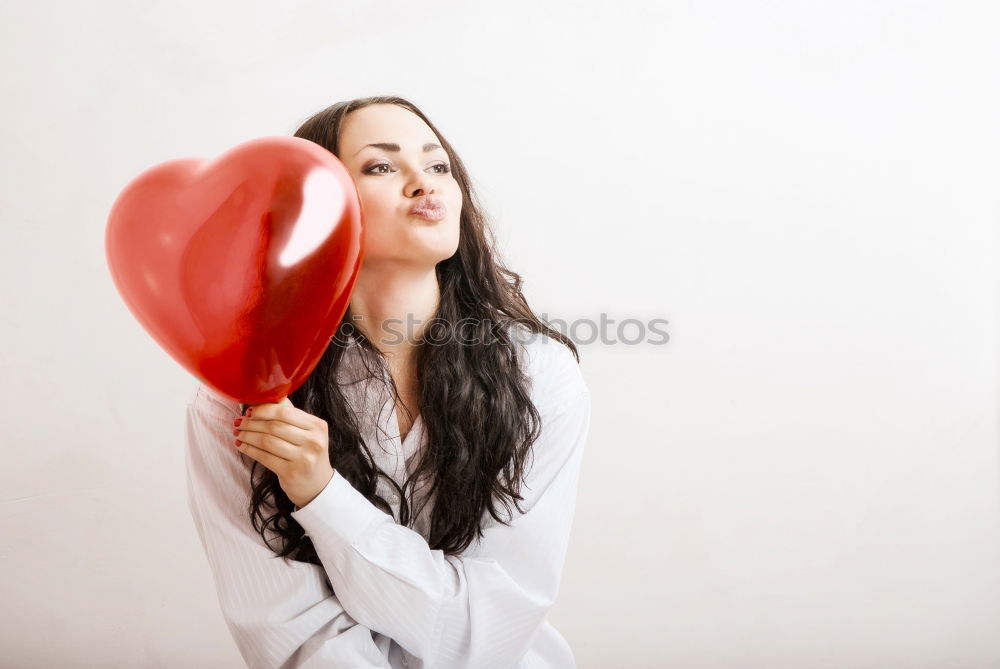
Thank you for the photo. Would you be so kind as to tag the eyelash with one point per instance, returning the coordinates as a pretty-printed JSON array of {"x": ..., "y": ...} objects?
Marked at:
[{"x": 371, "y": 170}]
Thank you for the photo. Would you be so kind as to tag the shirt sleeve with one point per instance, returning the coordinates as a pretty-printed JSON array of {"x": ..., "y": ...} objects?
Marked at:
[
  {"x": 279, "y": 614},
  {"x": 482, "y": 608}
]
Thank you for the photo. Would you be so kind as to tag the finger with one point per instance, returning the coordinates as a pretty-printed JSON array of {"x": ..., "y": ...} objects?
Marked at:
[
  {"x": 267, "y": 443},
  {"x": 284, "y": 401},
  {"x": 272, "y": 462},
  {"x": 296, "y": 437},
  {"x": 285, "y": 413}
]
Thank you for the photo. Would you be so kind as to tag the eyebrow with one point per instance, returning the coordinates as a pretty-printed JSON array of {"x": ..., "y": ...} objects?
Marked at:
[{"x": 392, "y": 146}]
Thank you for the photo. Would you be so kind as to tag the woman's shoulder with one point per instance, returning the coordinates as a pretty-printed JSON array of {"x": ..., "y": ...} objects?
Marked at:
[
  {"x": 207, "y": 399},
  {"x": 551, "y": 366}
]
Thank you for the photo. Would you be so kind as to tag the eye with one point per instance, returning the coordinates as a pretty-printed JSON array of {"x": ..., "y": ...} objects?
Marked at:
[
  {"x": 373, "y": 168},
  {"x": 445, "y": 168}
]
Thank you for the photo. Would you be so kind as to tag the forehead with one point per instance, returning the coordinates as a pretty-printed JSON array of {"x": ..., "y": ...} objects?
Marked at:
[{"x": 383, "y": 123}]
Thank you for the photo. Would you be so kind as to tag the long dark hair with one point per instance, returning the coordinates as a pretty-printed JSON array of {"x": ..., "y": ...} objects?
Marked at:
[{"x": 478, "y": 417}]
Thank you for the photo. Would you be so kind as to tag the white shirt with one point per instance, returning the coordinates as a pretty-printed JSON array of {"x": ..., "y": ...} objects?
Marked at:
[{"x": 398, "y": 603}]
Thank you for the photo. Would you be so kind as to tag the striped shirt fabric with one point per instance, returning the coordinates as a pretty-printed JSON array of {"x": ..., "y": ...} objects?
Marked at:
[{"x": 398, "y": 604}]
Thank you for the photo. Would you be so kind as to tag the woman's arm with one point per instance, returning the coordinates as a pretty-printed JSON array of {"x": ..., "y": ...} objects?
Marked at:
[
  {"x": 480, "y": 609},
  {"x": 280, "y": 615}
]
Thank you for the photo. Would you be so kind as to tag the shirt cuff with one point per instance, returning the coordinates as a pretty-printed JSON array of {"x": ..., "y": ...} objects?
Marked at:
[{"x": 339, "y": 514}]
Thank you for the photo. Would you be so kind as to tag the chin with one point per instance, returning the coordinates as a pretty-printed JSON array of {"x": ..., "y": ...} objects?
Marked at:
[
  {"x": 437, "y": 255},
  {"x": 434, "y": 245},
  {"x": 426, "y": 256}
]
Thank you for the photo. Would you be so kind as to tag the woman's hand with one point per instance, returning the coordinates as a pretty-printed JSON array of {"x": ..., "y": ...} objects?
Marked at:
[{"x": 291, "y": 443}]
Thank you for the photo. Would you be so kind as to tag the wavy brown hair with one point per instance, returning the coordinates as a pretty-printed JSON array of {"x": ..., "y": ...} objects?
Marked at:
[{"x": 478, "y": 417}]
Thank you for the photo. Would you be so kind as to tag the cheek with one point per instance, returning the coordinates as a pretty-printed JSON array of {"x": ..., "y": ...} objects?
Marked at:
[
  {"x": 372, "y": 201},
  {"x": 455, "y": 194}
]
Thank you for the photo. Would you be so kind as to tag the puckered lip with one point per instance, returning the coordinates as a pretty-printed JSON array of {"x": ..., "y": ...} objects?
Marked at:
[{"x": 427, "y": 204}]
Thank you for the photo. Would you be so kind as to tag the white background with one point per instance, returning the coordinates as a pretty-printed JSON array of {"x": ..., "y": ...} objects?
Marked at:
[{"x": 805, "y": 476}]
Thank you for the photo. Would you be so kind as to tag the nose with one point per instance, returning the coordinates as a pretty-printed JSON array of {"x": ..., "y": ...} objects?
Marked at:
[{"x": 419, "y": 185}]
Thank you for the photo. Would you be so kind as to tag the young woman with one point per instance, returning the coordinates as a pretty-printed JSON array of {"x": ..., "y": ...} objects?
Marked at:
[{"x": 409, "y": 505}]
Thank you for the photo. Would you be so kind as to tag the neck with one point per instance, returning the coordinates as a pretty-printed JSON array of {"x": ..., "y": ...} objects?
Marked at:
[{"x": 392, "y": 305}]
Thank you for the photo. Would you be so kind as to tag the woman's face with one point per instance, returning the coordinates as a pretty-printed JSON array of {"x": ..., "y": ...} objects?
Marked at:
[{"x": 391, "y": 180}]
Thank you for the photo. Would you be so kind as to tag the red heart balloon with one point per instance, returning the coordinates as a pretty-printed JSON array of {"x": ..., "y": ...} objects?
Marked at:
[{"x": 242, "y": 266}]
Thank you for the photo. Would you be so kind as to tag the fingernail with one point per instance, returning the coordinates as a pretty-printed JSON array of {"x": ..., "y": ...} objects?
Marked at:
[{"x": 237, "y": 421}]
